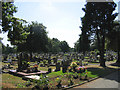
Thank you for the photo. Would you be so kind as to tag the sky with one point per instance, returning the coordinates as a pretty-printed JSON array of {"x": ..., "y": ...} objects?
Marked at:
[{"x": 61, "y": 17}]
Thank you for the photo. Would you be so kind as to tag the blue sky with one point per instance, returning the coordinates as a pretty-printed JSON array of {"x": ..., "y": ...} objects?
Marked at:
[{"x": 61, "y": 17}]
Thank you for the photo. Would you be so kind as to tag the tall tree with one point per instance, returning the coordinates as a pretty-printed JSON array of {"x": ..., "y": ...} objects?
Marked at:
[
  {"x": 37, "y": 40},
  {"x": 64, "y": 46},
  {"x": 55, "y": 45},
  {"x": 7, "y": 49},
  {"x": 8, "y": 9},
  {"x": 12, "y": 25},
  {"x": 100, "y": 17},
  {"x": 114, "y": 39},
  {"x": 84, "y": 43},
  {"x": 77, "y": 46}
]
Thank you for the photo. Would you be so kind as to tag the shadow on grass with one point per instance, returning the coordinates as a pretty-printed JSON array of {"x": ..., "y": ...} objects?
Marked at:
[
  {"x": 107, "y": 73},
  {"x": 115, "y": 64},
  {"x": 94, "y": 62}
]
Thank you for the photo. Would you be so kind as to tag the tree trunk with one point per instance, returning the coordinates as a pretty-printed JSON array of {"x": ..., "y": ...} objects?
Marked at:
[
  {"x": 118, "y": 51},
  {"x": 20, "y": 58},
  {"x": 102, "y": 60},
  {"x": 98, "y": 45},
  {"x": 101, "y": 46},
  {"x": 30, "y": 56}
]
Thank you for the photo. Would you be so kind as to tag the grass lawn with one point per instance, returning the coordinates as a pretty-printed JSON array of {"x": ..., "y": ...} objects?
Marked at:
[{"x": 11, "y": 81}]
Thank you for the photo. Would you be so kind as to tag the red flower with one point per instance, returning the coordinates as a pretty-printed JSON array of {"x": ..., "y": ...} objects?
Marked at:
[
  {"x": 35, "y": 65},
  {"x": 85, "y": 67}
]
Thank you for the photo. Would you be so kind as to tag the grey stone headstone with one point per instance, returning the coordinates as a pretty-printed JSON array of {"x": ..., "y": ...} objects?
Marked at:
[{"x": 80, "y": 62}]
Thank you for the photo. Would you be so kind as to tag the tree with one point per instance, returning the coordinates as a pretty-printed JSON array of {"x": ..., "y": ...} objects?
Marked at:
[
  {"x": 114, "y": 39},
  {"x": 84, "y": 40},
  {"x": 99, "y": 17},
  {"x": 76, "y": 46},
  {"x": 0, "y": 46},
  {"x": 55, "y": 45},
  {"x": 84, "y": 43},
  {"x": 36, "y": 41},
  {"x": 94, "y": 43},
  {"x": 8, "y": 9},
  {"x": 64, "y": 46},
  {"x": 14, "y": 26},
  {"x": 7, "y": 49}
]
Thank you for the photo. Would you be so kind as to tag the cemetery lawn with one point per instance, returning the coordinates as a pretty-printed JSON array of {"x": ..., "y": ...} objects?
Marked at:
[
  {"x": 93, "y": 72},
  {"x": 11, "y": 81}
]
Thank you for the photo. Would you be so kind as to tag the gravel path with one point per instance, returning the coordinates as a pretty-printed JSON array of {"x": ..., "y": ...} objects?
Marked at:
[{"x": 110, "y": 81}]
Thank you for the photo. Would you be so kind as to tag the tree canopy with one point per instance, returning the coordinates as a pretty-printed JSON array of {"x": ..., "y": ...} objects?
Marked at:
[
  {"x": 98, "y": 20},
  {"x": 14, "y": 26},
  {"x": 36, "y": 40},
  {"x": 64, "y": 46},
  {"x": 113, "y": 37}
]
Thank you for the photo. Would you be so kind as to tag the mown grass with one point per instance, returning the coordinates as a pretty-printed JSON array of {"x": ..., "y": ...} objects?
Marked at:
[
  {"x": 55, "y": 74},
  {"x": 10, "y": 81},
  {"x": 46, "y": 68},
  {"x": 60, "y": 73}
]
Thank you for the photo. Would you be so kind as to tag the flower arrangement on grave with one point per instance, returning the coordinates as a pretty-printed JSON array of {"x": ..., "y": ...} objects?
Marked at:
[
  {"x": 42, "y": 83},
  {"x": 81, "y": 69},
  {"x": 82, "y": 72},
  {"x": 28, "y": 64},
  {"x": 69, "y": 68},
  {"x": 58, "y": 80},
  {"x": 35, "y": 68},
  {"x": 74, "y": 65}
]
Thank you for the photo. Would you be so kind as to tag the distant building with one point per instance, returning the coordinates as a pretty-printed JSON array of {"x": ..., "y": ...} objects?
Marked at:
[{"x": 119, "y": 10}]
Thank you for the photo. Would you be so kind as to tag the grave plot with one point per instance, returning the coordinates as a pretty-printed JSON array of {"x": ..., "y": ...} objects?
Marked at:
[
  {"x": 14, "y": 72},
  {"x": 62, "y": 70},
  {"x": 24, "y": 68}
]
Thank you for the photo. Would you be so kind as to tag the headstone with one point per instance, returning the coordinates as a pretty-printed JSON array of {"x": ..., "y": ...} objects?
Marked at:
[
  {"x": 57, "y": 66},
  {"x": 9, "y": 60},
  {"x": 20, "y": 62},
  {"x": 80, "y": 62},
  {"x": 49, "y": 59},
  {"x": 5, "y": 57},
  {"x": 55, "y": 60},
  {"x": 82, "y": 57},
  {"x": 65, "y": 64},
  {"x": 49, "y": 70}
]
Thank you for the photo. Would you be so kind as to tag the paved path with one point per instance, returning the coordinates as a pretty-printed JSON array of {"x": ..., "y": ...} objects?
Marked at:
[
  {"x": 110, "y": 81},
  {"x": 107, "y": 63}
]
